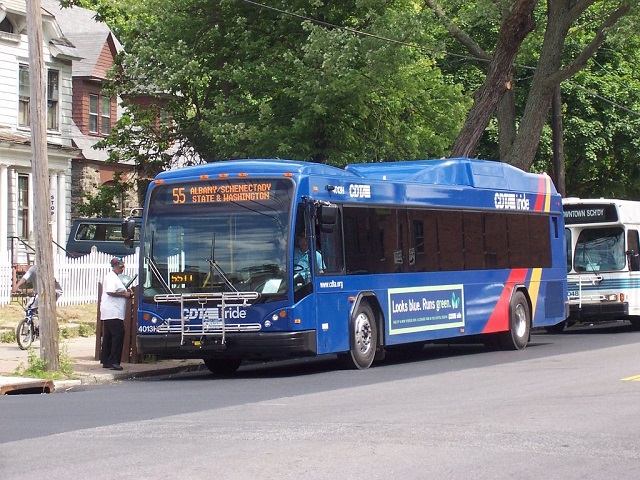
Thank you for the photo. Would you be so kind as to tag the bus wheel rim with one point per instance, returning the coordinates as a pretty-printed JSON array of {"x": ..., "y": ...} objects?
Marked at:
[
  {"x": 363, "y": 333},
  {"x": 520, "y": 321}
]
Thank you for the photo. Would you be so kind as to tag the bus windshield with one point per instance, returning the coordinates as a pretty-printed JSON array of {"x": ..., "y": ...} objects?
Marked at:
[
  {"x": 216, "y": 236},
  {"x": 600, "y": 249}
]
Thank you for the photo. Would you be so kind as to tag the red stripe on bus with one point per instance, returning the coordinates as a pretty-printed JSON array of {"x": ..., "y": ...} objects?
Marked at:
[
  {"x": 499, "y": 320},
  {"x": 540, "y": 197}
]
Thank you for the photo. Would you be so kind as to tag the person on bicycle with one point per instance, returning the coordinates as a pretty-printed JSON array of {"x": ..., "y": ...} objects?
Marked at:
[{"x": 31, "y": 276}]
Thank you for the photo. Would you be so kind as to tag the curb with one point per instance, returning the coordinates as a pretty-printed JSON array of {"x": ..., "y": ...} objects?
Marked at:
[{"x": 63, "y": 386}]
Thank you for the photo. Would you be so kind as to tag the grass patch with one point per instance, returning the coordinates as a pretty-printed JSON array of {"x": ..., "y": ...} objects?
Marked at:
[
  {"x": 73, "y": 320},
  {"x": 8, "y": 336},
  {"x": 36, "y": 366}
]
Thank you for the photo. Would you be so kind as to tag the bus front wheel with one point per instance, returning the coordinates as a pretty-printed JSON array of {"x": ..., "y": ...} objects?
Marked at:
[
  {"x": 364, "y": 339},
  {"x": 223, "y": 367},
  {"x": 519, "y": 323}
]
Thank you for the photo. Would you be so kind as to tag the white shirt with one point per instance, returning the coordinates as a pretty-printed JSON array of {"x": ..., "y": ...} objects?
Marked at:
[{"x": 110, "y": 306}]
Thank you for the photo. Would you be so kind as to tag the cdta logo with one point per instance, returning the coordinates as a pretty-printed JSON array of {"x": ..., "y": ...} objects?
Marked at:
[
  {"x": 360, "y": 191},
  {"x": 511, "y": 201}
]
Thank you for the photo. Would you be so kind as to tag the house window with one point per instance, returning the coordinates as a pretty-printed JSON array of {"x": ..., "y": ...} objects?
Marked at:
[
  {"x": 24, "y": 100},
  {"x": 93, "y": 113},
  {"x": 99, "y": 114},
  {"x": 24, "y": 96},
  {"x": 23, "y": 206},
  {"x": 6, "y": 26},
  {"x": 53, "y": 96},
  {"x": 105, "y": 115}
]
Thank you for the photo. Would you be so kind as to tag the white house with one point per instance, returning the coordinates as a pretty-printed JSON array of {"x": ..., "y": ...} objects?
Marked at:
[{"x": 17, "y": 202}]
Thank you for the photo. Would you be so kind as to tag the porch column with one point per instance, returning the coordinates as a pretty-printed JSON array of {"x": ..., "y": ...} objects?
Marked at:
[
  {"x": 62, "y": 209},
  {"x": 4, "y": 209}
]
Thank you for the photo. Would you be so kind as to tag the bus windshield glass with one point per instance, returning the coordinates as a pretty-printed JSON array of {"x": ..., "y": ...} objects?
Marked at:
[
  {"x": 217, "y": 236},
  {"x": 600, "y": 249}
]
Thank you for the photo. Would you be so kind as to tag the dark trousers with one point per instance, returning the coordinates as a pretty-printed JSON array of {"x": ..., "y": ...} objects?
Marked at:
[{"x": 112, "y": 341}]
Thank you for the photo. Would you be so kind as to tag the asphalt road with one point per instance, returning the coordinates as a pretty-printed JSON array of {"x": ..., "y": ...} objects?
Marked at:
[{"x": 566, "y": 407}]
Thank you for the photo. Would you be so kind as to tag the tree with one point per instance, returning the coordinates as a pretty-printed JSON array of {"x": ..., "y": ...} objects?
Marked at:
[
  {"x": 554, "y": 66},
  {"x": 244, "y": 81}
]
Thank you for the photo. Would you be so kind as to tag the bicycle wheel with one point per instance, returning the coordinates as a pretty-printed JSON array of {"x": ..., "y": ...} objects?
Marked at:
[{"x": 24, "y": 333}]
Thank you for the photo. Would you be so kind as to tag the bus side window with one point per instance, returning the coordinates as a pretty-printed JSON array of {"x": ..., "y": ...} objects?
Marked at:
[{"x": 633, "y": 250}]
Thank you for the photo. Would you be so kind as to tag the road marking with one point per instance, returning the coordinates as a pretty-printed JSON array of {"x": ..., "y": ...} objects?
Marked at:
[{"x": 635, "y": 378}]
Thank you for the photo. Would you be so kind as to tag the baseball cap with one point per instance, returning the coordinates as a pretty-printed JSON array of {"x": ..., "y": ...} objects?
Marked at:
[{"x": 116, "y": 262}]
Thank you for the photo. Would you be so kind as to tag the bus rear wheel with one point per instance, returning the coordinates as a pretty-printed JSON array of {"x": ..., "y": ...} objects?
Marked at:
[
  {"x": 223, "y": 367},
  {"x": 519, "y": 323},
  {"x": 364, "y": 339}
]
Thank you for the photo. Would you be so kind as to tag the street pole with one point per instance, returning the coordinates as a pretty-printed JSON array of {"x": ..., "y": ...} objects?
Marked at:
[{"x": 49, "y": 348}]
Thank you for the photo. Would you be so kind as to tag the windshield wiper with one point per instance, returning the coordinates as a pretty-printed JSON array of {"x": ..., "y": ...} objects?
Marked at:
[
  {"x": 154, "y": 268},
  {"x": 216, "y": 267}
]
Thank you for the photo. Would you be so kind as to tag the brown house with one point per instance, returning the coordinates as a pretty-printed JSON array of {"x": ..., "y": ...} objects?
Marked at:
[{"x": 93, "y": 112}]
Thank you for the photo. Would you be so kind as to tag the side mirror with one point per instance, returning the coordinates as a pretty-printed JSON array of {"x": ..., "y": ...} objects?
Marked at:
[
  {"x": 327, "y": 217},
  {"x": 128, "y": 230},
  {"x": 634, "y": 260},
  {"x": 328, "y": 214},
  {"x": 128, "y": 243}
]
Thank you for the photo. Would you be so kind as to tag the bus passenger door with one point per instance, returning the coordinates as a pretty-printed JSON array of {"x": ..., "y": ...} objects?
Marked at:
[{"x": 332, "y": 306}]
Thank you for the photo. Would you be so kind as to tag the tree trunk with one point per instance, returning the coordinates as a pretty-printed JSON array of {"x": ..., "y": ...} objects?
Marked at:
[
  {"x": 49, "y": 348},
  {"x": 524, "y": 148},
  {"x": 516, "y": 25}
]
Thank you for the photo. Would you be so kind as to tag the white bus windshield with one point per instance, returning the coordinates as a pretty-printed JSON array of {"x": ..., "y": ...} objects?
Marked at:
[
  {"x": 211, "y": 236},
  {"x": 600, "y": 249}
]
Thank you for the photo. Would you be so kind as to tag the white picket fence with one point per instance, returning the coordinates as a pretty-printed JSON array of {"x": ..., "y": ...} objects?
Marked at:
[{"x": 79, "y": 277}]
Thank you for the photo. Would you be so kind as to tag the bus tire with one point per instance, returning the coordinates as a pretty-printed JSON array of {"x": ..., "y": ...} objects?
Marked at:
[
  {"x": 223, "y": 367},
  {"x": 24, "y": 333},
  {"x": 635, "y": 323},
  {"x": 517, "y": 337},
  {"x": 363, "y": 339}
]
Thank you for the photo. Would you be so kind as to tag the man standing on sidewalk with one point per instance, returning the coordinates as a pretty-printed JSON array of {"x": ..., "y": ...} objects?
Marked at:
[{"x": 113, "y": 309}]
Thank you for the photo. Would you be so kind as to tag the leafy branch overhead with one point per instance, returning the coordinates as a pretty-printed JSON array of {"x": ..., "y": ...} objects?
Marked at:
[{"x": 379, "y": 80}]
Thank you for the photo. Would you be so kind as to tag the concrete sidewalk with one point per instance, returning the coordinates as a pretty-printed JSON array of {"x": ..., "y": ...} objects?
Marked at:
[{"x": 81, "y": 351}]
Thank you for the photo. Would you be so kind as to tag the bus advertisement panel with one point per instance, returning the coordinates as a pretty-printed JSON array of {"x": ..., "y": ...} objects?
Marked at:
[
  {"x": 603, "y": 262},
  {"x": 267, "y": 259}
]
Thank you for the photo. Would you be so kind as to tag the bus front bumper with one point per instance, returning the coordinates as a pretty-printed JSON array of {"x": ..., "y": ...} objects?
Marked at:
[
  {"x": 274, "y": 345},
  {"x": 602, "y": 311}
]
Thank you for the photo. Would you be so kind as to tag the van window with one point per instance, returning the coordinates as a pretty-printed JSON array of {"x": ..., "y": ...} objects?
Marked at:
[{"x": 103, "y": 233}]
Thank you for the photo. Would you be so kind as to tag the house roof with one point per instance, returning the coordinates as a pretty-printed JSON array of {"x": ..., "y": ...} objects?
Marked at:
[
  {"x": 86, "y": 33},
  {"x": 15, "y": 6},
  {"x": 13, "y": 138}
]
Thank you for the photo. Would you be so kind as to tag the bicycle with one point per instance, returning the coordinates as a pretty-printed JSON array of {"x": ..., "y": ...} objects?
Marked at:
[{"x": 28, "y": 329}]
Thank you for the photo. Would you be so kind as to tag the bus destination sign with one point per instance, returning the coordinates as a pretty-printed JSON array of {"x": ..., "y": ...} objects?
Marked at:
[
  {"x": 591, "y": 213},
  {"x": 228, "y": 192}
]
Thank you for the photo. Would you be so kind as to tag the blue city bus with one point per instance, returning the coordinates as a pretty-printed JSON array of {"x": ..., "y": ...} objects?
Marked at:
[{"x": 399, "y": 254}]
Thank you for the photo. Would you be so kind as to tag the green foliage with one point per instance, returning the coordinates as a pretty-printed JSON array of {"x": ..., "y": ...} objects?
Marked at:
[
  {"x": 105, "y": 202},
  {"x": 36, "y": 366},
  {"x": 86, "y": 329},
  {"x": 238, "y": 80},
  {"x": 8, "y": 336}
]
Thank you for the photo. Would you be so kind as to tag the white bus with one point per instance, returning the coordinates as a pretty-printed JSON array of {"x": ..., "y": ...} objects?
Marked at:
[{"x": 603, "y": 264}]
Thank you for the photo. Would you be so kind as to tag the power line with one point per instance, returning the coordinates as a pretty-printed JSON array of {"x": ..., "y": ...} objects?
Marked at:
[{"x": 421, "y": 48}]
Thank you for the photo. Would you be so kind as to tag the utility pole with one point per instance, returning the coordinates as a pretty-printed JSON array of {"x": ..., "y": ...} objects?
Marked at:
[{"x": 49, "y": 348}]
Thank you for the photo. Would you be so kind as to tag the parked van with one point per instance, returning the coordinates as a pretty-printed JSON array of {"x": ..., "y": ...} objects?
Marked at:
[{"x": 104, "y": 233}]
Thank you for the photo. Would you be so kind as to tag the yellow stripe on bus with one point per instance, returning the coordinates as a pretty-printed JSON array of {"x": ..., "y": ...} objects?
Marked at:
[
  {"x": 534, "y": 287},
  {"x": 547, "y": 194}
]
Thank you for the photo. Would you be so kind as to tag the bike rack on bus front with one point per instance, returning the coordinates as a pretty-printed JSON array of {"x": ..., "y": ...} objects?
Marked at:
[{"x": 213, "y": 325}]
